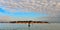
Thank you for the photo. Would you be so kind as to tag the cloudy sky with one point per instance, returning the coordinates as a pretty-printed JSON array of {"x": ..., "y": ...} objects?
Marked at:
[{"x": 37, "y": 10}]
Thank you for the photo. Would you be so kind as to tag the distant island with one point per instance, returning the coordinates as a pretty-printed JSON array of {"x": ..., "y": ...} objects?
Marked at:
[{"x": 25, "y": 22}]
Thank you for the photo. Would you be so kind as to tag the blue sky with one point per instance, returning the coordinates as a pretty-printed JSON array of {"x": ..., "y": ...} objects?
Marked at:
[
  {"x": 33, "y": 10},
  {"x": 22, "y": 14}
]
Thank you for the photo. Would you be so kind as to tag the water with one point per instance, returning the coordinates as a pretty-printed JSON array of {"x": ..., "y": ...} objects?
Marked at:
[{"x": 8, "y": 26}]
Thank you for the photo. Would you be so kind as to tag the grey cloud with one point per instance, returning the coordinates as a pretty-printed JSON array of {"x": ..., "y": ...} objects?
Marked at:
[{"x": 50, "y": 7}]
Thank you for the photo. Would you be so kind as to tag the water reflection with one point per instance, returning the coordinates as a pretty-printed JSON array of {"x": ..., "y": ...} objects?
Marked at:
[{"x": 9, "y": 26}]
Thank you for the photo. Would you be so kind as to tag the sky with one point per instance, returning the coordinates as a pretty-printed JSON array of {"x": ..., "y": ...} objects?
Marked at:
[
  {"x": 23, "y": 15},
  {"x": 37, "y": 10}
]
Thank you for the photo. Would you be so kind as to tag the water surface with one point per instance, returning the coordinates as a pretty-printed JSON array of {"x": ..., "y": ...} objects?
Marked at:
[{"x": 8, "y": 26}]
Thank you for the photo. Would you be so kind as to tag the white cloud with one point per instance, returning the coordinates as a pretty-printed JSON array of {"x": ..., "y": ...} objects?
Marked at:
[{"x": 50, "y": 7}]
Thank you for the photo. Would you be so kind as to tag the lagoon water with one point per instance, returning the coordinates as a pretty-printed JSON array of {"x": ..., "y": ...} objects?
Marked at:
[{"x": 9, "y": 26}]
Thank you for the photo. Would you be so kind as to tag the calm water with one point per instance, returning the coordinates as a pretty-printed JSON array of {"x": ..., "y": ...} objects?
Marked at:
[{"x": 7, "y": 26}]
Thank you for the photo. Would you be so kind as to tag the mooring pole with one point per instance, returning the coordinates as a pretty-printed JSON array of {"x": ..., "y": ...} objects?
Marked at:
[{"x": 29, "y": 24}]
